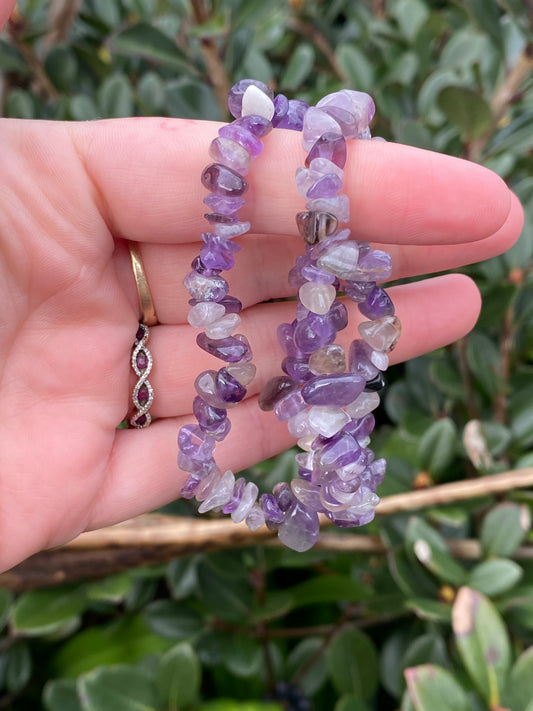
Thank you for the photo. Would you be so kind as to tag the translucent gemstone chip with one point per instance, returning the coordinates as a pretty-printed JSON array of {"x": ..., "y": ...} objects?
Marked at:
[{"x": 318, "y": 298}]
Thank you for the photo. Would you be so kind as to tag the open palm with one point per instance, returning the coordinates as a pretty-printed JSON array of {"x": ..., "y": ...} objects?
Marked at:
[{"x": 72, "y": 194}]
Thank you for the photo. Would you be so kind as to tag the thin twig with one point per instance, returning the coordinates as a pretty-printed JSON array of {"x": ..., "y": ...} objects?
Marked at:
[
  {"x": 211, "y": 54},
  {"x": 154, "y": 538}
]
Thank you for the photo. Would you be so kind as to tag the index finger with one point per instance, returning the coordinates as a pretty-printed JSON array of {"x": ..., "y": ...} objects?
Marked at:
[{"x": 148, "y": 172}]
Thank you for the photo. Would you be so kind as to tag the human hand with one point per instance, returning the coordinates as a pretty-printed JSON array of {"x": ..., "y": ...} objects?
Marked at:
[{"x": 73, "y": 193}]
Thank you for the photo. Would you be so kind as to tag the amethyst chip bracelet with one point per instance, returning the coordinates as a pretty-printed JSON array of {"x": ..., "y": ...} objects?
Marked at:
[{"x": 325, "y": 395}]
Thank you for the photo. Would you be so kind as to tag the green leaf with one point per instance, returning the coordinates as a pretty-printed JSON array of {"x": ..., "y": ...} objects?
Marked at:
[
  {"x": 118, "y": 688},
  {"x": 62, "y": 67},
  {"x": 231, "y": 599},
  {"x": 299, "y": 66},
  {"x": 115, "y": 96},
  {"x": 520, "y": 687},
  {"x": 230, "y": 705},
  {"x": 181, "y": 577},
  {"x": 144, "y": 40},
  {"x": 466, "y": 110},
  {"x": 329, "y": 588},
  {"x": 11, "y": 60},
  {"x": 483, "y": 643},
  {"x": 356, "y": 66},
  {"x": 520, "y": 413},
  {"x": 484, "y": 361},
  {"x": 61, "y": 695},
  {"x": 112, "y": 589},
  {"x": 430, "y": 610},
  {"x": 410, "y": 16},
  {"x": 16, "y": 665},
  {"x": 20, "y": 104},
  {"x": 504, "y": 528},
  {"x": 311, "y": 676},
  {"x": 5, "y": 602},
  {"x": 43, "y": 612},
  {"x": 189, "y": 98},
  {"x": 151, "y": 92},
  {"x": 440, "y": 563},
  {"x": 350, "y": 702},
  {"x": 492, "y": 577},
  {"x": 243, "y": 657},
  {"x": 430, "y": 688},
  {"x": 173, "y": 619},
  {"x": 127, "y": 640},
  {"x": 352, "y": 663},
  {"x": 178, "y": 677},
  {"x": 438, "y": 446},
  {"x": 83, "y": 108}
]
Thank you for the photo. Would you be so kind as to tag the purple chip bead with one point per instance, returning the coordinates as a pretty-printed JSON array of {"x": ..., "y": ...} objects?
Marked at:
[
  {"x": 188, "y": 490},
  {"x": 375, "y": 265},
  {"x": 378, "y": 304},
  {"x": 208, "y": 417},
  {"x": 221, "y": 180},
  {"x": 337, "y": 316},
  {"x": 313, "y": 333},
  {"x": 358, "y": 290},
  {"x": 231, "y": 304},
  {"x": 215, "y": 218},
  {"x": 217, "y": 252},
  {"x": 230, "y": 349},
  {"x": 283, "y": 495},
  {"x": 196, "y": 443},
  {"x": 243, "y": 136},
  {"x": 297, "y": 368},
  {"x": 341, "y": 450},
  {"x": 285, "y": 333},
  {"x": 335, "y": 389},
  {"x": 200, "y": 267},
  {"x": 276, "y": 389},
  {"x": 359, "y": 359},
  {"x": 331, "y": 146},
  {"x": 237, "y": 92},
  {"x": 294, "y": 118},
  {"x": 273, "y": 514},
  {"x": 224, "y": 204},
  {"x": 281, "y": 106},
  {"x": 300, "y": 528},
  {"x": 258, "y": 125},
  {"x": 362, "y": 427},
  {"x": 228, "y": 388},
  {"x": 235, "y": 500},
  {"x": 289, "y": 406},
  {"x": 326, "y": 186}
]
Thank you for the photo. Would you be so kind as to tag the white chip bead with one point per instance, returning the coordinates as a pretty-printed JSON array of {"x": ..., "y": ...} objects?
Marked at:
[
  {"x": 315, "y": 124},
  {"x": 243, "y": 372},
  {"x": 317, "y": 297},
  {"x": 209, "y": 484},
  {"x": 205, "y": 312},
  {"x": 256, "y": 518},
  {"x": 220, "y": 494},
  {"x": 382, "y": 334},
  {"x": 380, "y": 360},
  {"x": 362, "y": 405},
  {"x": 299, "y": 426},
  {"x": 339, "y": 205},
  {"x": 341, "y": 259},
  {"x": 223, "y": 327},
  {"x": 306, "y": 442},
  {"x": 327, "y": 420},
  {"x": 326, "y": 167},
  {"x": 249, "y": 495},
  {"x": 257, "y": 103}
]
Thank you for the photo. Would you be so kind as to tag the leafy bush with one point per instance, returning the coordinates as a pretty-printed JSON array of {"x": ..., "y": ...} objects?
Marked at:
[{"x": 426, "y": 609}]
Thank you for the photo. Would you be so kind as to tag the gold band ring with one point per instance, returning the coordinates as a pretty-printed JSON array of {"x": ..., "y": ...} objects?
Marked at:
[{"x": 146, "y": 303}]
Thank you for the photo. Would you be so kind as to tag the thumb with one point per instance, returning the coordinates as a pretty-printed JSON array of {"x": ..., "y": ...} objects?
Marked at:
[{"x": 6, "y": 8}]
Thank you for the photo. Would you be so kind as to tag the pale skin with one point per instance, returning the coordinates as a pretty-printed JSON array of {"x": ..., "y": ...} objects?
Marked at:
[{"x": 72, "y": 194}]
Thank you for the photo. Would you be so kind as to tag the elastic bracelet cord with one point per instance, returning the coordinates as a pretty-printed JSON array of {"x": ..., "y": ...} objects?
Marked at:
[{"x": 326, "y": 397}]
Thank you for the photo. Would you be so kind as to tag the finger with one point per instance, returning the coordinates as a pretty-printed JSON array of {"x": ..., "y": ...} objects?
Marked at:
[
  {"x": 148, "y": 173},
  {"x": 269, "y": 258},
  {"x": 433, "y": 312}
]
